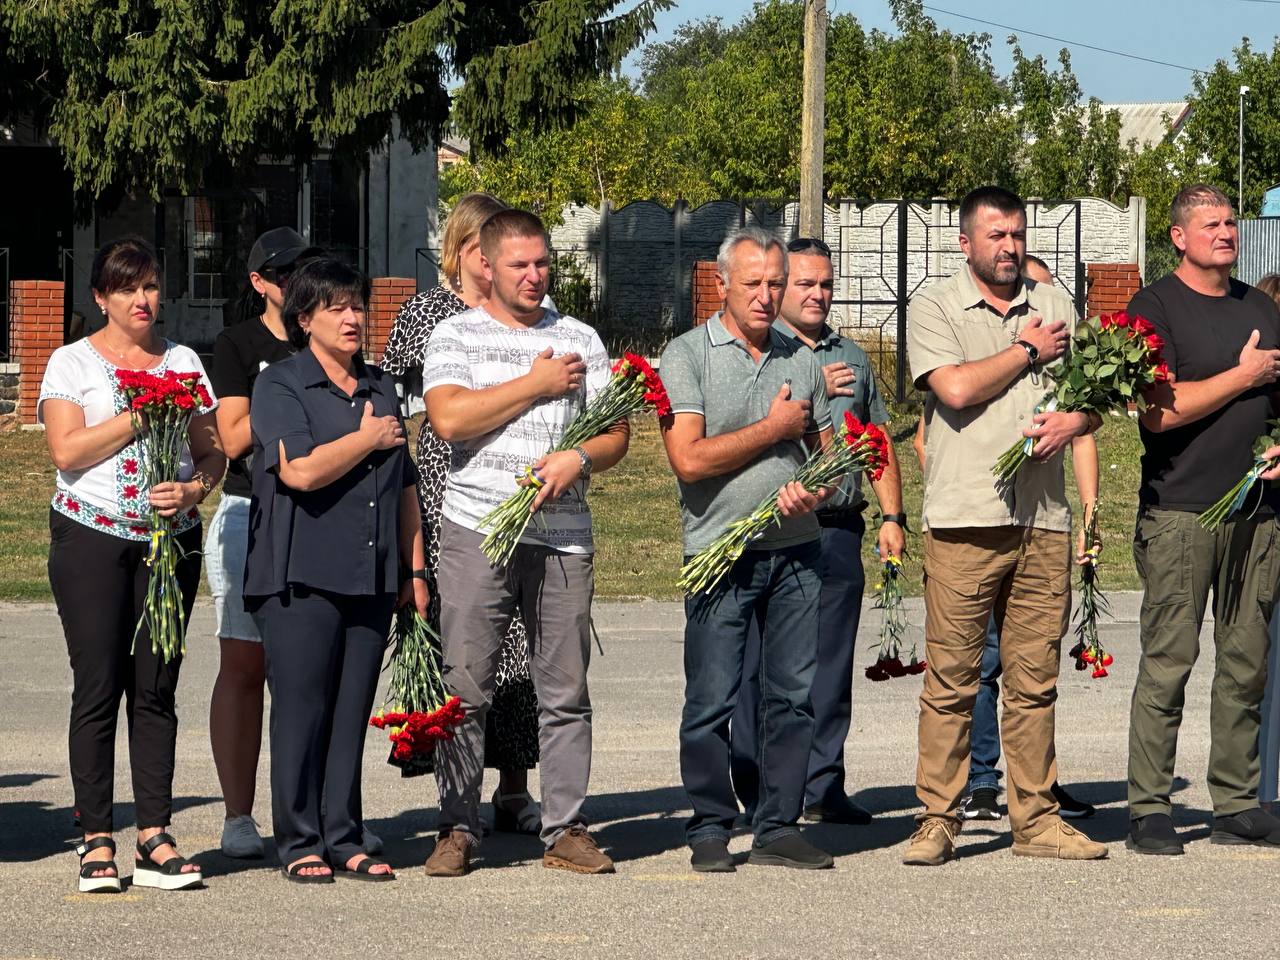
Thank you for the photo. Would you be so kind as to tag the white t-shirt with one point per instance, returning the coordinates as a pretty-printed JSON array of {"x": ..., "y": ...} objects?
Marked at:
[
  {"x": 475, "y": 351},
  {"x": 111, "y": 495}
]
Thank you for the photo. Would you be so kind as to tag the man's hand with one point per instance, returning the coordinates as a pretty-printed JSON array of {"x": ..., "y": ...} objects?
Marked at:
[
  {"x": 838, "y": 377},
  {"x": 556, "y": 376},
  {"x": 558, "y": 472},
  {"x": 789, "y": 417},
  {"x": 795, "y": 501},
  {"x": 382, "y": 433},
  {"x": 1049, "y": 339},
  {"x": 1272, "y": 453},
  {"x": 893, "y": 541},
  {"x": 1260, "y": 366},
  {"x": 1053, "y": 431},
  {"x": 1081, "y": 547}
]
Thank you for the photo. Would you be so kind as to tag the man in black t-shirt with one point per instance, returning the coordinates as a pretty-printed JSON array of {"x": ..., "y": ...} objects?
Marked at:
[{"x": 1220, "y": 342}]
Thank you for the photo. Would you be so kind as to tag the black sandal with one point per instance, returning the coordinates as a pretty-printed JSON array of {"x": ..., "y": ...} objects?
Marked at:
[
  {"x": 100, "y": 884},
  {"x": 294, "y": 873},
  {"x": 164, "y": 876},
  {"x": 363, "y": 868}
]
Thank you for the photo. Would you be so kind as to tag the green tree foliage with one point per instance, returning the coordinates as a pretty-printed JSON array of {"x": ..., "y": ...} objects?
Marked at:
[
  {"x": 152, "y": 93},
  {"x": 919, "y": 112}
]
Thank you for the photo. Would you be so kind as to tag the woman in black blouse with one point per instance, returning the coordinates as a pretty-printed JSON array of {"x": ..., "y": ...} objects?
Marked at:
[
  {"x": 511, "y": 728},
  {"x": 334, "y": 536}
]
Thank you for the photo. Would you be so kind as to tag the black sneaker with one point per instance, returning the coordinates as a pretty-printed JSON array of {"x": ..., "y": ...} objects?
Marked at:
[
  {"x": 712, "y": 856},
  {"x": 843, "y": 810},
  {"x": 1069, "y": 808},
  {"x": 1255, "y": 827},
  {"x": 790, "y": 850},
  {"x": 1154, "y": 834},
  {"x": 980, "y": 805}
]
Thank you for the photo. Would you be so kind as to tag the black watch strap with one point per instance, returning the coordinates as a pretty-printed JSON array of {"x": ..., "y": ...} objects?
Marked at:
[{"x": 899, "y": 518}]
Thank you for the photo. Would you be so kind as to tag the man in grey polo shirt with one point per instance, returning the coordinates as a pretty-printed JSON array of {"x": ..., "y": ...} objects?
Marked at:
[
  {"x": 851, "y": 386},
  {"x": 747, "y": 406}
]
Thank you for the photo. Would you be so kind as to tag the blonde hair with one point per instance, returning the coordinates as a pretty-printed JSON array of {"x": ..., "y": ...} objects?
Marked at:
[
  {"x": 465, "y": 220},
  {"x": 1270, "y": 285}
]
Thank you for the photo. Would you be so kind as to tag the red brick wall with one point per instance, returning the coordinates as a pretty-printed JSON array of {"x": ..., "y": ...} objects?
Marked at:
[
  {"x": 35, "y": 331},
  {"x": 388, "y": 295},
  {"x": 1111, "y": 286},
  {"x": 706, "y": 299}
]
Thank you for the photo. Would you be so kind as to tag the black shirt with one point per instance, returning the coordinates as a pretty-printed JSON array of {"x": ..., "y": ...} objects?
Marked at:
[
  {"x": 240, "y": 353},
  {"x": 342, "y": 538},
  {"x": 1191, "y": 467}
]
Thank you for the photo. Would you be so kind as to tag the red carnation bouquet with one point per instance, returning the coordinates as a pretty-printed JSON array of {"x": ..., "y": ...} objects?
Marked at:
[
  {"x": 633, "y": 386},
  {"x": 1088, "y": 651},
  {"x": 1111, "y": 364},
  {"x": 417, "y": 712},
  {"x": 161, "y": 406},
  {"x": 893, "y": 628},
  {"x": 858, "y": 446}
]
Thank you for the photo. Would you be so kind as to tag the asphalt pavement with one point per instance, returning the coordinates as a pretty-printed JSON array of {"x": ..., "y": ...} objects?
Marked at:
[{"x": 1216, "y": 901}]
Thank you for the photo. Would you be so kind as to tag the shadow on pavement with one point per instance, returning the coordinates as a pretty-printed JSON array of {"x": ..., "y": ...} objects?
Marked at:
[{"x": 34, "y": 830}]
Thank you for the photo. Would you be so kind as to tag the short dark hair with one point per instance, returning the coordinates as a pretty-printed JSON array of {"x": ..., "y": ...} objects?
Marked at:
[
  {"x": 1032, "y": 258},
  {"x": 1196, "y": 195},
  {"x": 998, "y": 198},
  {"x": 510, "y": 223},
  {"x": 123, "y": 264},
  {"x": 320, "y": 283}
]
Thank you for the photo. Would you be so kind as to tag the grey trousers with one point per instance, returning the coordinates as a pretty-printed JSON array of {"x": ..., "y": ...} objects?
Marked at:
[{"x": 552, "y": 591}]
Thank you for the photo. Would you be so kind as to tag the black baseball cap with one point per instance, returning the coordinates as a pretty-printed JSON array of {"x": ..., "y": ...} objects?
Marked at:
[{"x": 279, "y": 248}]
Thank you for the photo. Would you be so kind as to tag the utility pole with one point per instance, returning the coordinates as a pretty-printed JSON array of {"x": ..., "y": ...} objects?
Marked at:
[
  {"x": 1244, "y": 92},
  {"x": 813, "y": 118}
]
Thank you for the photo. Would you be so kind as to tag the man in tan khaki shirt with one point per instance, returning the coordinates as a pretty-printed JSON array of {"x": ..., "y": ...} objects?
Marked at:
[{"x": 979, "y": 342}]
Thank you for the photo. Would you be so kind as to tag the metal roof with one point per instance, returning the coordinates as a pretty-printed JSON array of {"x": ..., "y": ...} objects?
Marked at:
[{"x": 1145, "y": 122}]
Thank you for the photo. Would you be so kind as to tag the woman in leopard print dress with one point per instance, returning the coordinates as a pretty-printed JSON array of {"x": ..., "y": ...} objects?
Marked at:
[{"x": 511, "y": 731}]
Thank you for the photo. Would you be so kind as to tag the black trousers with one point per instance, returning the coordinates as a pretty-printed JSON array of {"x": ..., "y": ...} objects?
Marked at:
[
  {"x": 324, "y": 651},
  {"x": 99, "y": 582}
]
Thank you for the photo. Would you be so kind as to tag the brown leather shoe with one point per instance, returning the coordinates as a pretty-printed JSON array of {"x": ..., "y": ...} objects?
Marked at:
[
  {"x": 1061, "y": 842},
  {"x": 451, "y": 856},
  {"x": 933, "y": 843},
  {"x": 576, "y": 851}
]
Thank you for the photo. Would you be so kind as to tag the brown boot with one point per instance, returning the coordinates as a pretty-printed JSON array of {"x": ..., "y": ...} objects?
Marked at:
[
  {"x": 451, "y": 856},
  {"x": 576, "y": 850},
  {"x": 1061, "y": 842},
  {"x": 933, "y": 843}
]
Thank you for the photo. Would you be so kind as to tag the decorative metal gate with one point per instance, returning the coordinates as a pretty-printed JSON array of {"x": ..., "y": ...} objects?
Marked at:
[{"x": 889, "y": 250}]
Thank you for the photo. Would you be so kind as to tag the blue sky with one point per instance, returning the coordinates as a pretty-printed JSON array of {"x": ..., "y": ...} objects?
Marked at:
[{"x": 1192, "y": 33}]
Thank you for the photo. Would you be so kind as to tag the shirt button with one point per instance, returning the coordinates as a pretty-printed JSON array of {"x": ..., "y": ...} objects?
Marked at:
[
  {"x": 371, "y": 503},
  {"x": 371, "y": 543},
  {"x": 368, "y": 466}
]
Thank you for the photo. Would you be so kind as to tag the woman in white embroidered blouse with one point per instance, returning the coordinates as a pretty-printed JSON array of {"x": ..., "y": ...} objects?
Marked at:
[{"x": 99, "y": 542}]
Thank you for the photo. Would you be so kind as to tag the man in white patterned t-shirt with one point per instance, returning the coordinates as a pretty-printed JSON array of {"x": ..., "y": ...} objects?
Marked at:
[{"x": 502, "y": 382}]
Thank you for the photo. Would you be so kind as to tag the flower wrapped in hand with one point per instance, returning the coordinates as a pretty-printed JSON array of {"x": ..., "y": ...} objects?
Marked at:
[
  {"x": 1235, "y": 498},
  {"x": 161, "y": 406},
  {"x": 893, "y": 628},
  {"x": 634, "y": 386},
  {"x": 418, "y": 713},
  {"x": 1088, "y": 650},
  {"x": 1111, "y": 364},
  {"x": 858, "y": 446}
]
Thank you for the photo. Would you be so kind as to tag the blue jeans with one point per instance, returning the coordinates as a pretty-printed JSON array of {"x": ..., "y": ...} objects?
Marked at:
[
  {"x": 832, "y": 692},
  {"x": 781, "y": 589},
  {"x": 984, "y": 741}
]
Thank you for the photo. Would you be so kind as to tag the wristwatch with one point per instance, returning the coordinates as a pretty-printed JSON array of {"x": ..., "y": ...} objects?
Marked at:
[
  {"x": 1033, "y": 355},
  {"x": 584, "y": 471},
  {"x": 899, "y": 518},
  {"x": 407, "y": 574}
]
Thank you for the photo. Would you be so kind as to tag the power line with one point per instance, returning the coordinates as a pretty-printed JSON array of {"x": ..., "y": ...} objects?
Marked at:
[{"x": 1076, "y": 43}]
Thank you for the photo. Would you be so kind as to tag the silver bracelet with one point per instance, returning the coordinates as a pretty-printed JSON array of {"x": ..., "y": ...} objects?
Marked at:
[{"x": 584, "y": 471}]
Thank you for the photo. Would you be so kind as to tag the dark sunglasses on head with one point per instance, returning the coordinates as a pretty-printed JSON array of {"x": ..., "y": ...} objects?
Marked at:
[
  {"x": 807, "y": 245},
  {"x": 277, "y": 275}
]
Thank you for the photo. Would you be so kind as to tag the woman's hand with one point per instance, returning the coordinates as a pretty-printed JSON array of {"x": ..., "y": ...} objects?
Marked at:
[
  {"x": 414, "y": 592},
  {"x": 169, "y": 499},
  {"x": 382, "y": 433}
]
